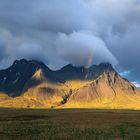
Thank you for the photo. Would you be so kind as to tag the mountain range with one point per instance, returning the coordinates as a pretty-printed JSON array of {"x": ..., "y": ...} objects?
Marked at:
[{"x": 31, "y": 84}]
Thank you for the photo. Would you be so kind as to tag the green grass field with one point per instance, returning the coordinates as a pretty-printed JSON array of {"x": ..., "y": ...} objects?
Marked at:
[{"x": 69, "y": 124}]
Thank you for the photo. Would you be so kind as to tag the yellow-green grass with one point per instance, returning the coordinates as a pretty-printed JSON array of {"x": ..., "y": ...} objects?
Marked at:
[{"x": 69, "y": 124}]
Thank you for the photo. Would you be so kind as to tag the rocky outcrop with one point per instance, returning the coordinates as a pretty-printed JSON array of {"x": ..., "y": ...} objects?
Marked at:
[
  {"x": 31, "y": 84},
  {"x": 109, "y": 90}
]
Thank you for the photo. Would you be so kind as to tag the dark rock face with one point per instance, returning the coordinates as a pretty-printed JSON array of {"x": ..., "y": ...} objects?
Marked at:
[
  {"x": 70, "y": 72},
  {"x": 14, "y": 79},
  {"x": 73, "y": 87}
]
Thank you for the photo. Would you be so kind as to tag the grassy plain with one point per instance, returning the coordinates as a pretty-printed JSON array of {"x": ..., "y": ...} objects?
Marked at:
[{"x": 69, "y": 124}]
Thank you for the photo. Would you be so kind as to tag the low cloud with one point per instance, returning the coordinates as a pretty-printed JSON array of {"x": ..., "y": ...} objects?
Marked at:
[
  {"x": 81, "y": 49},
  {"x": 81, "y": 32}
]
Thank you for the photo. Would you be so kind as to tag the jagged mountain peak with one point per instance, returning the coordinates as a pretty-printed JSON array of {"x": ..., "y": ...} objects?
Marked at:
[
  {"x": 104, "y": 65},
  {"x": 71, "y": 86},
  {"x": 14, "y": 79},
  {"x": 23, "y": 62},
  {"x": 80, "y": 72},
  {"x": 68, "y": 68}
]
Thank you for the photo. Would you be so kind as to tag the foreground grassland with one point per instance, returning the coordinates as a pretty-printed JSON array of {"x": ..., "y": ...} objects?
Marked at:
[{"x": 69, "y": 124}]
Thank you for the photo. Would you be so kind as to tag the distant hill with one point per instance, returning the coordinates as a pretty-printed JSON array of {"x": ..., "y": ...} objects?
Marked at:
[{"x": 31, "y": 84}]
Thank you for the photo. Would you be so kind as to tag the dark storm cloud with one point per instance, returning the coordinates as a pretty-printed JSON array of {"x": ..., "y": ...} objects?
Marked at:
[
  {"x": 120, "y": 21},
  {"x": 81, "y": 32},
  {"x": 54, "y": 16},
  {"x": 2, "y": 50}
]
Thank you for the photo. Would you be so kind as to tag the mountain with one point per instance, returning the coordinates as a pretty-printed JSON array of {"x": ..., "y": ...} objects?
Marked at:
[
  {"x": 13, "y": 79},
  {"x": 32, "y": 84},
  {"x": 23, "y": 74},
  {"x": 109, "y": 90}
]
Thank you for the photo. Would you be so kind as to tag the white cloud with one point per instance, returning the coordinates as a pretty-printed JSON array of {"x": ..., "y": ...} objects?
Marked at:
[
  {"x": 125, "y": 73},
  {"x": 82, "y": 48},
  {"x": 136, "y": 83}
]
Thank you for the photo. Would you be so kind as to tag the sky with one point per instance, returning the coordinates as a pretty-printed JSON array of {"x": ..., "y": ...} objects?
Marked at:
[{"x": 80, "y": 32}]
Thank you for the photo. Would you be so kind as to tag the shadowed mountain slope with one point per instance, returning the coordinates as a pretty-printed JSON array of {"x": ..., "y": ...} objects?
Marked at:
[
  {"x": 25, "y": 74},
  {"x": 32, "y": 84},
  {"x": 13, "y": 79}
]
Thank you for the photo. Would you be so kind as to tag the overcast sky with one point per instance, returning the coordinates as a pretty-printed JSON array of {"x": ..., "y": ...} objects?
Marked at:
[{"x": 81, "y": 32}]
